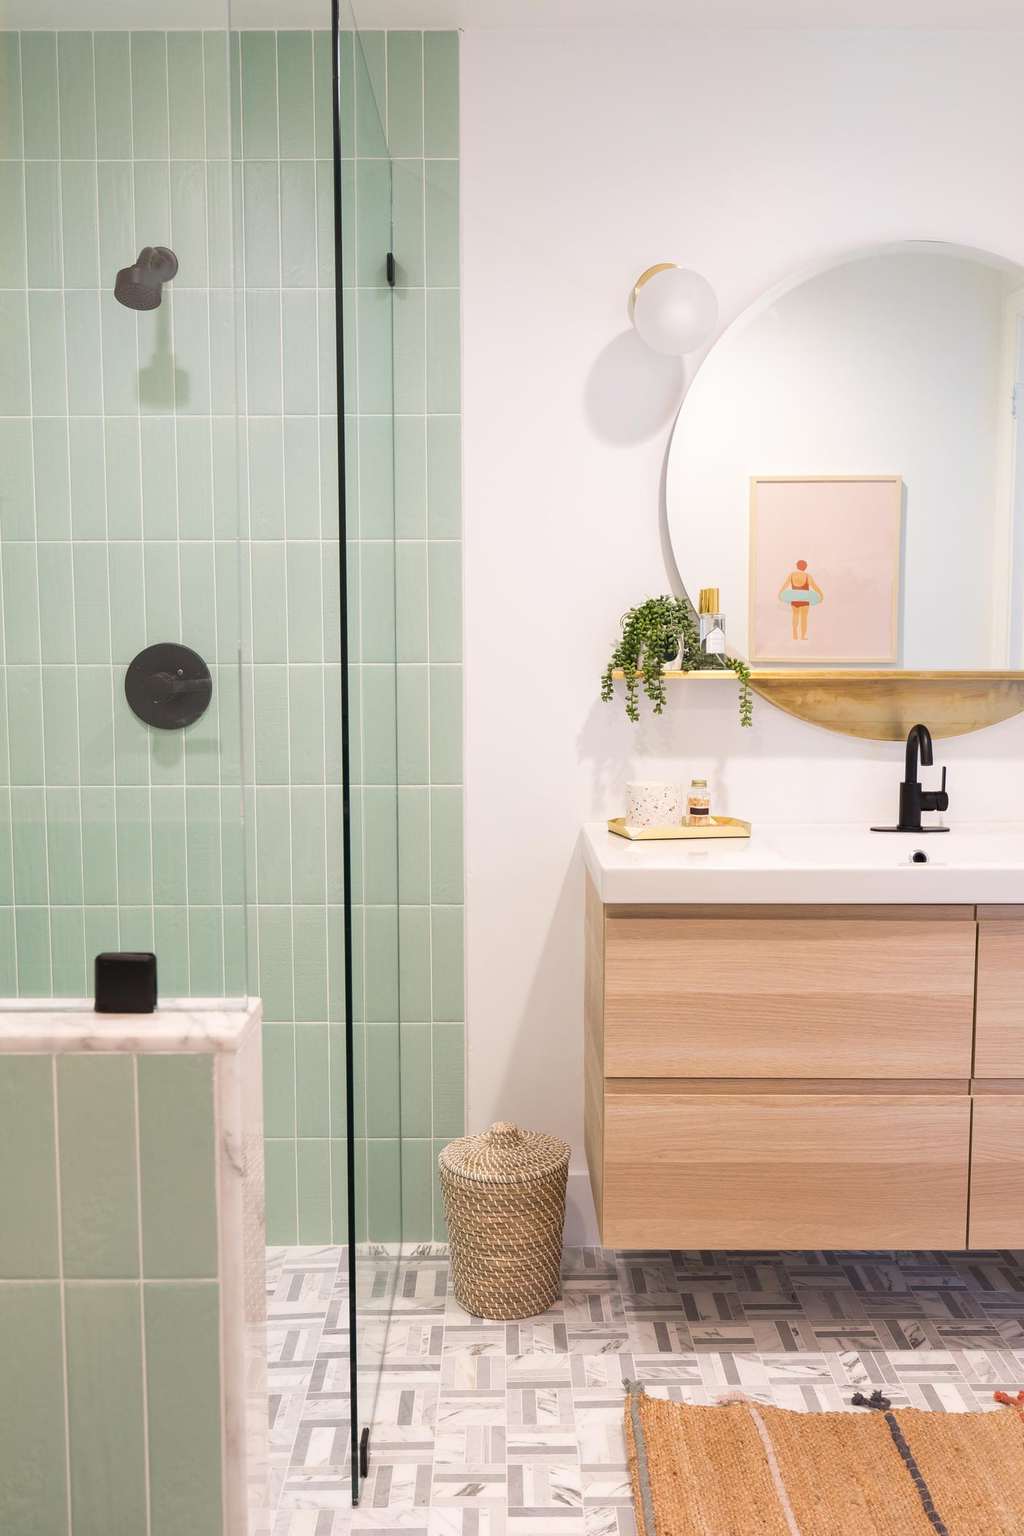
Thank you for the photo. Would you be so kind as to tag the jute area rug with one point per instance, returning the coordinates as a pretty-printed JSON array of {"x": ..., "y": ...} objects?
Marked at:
[{"x": 743, "y": 1469}]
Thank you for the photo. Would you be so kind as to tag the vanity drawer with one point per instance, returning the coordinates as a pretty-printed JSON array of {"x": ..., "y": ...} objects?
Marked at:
[
  {"x": 774, "y": 996},
  {"x": 999, "y": 1039},
  {"x": 997, "y": 1169},
  {"x": 783, "y": 1169}
]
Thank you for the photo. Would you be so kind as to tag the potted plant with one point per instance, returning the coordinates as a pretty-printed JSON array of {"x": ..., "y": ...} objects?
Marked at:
[{"x": 660, "y": 632}]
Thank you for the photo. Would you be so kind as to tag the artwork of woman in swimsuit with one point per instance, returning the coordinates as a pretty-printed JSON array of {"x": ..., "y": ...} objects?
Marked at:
[{"x": 802, "y": 593}]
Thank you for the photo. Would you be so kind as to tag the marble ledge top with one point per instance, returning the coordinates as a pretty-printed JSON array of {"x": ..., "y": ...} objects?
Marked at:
[{"x": 197, "y": 1025}]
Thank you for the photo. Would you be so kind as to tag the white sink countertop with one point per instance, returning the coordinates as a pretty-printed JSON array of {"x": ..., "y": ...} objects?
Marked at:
[{"x": 973, "y": 862}]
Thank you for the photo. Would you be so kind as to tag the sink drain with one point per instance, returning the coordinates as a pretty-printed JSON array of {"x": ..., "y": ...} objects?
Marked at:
[{"x": 919, "y": 856}]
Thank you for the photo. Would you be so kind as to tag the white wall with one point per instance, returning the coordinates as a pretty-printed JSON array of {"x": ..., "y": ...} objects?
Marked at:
[{"x": 586, "y": 157}]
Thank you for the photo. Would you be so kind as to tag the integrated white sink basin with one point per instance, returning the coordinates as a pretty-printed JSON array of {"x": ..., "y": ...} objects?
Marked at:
[{"x": 840, "y": 863}]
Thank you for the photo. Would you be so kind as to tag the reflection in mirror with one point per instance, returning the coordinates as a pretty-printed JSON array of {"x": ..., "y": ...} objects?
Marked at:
[{"x": 899, "y": 365}]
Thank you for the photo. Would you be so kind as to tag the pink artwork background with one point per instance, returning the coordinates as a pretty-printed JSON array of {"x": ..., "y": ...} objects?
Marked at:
[{"x": 848, "y": 531}]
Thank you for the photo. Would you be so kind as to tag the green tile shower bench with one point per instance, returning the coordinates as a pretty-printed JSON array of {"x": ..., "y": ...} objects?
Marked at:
[{"x": 133, "y": 1393}]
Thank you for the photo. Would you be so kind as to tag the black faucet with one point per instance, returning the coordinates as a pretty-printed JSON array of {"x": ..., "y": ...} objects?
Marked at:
[{"x": 914, "y": 799}]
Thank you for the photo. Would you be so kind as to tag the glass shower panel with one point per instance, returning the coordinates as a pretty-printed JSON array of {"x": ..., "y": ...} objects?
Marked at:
[{"x": 119, "y": 514}]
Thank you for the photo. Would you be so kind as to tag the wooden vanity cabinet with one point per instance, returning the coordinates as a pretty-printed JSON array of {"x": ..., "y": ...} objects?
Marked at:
[{"x": 791, "y": 1077}]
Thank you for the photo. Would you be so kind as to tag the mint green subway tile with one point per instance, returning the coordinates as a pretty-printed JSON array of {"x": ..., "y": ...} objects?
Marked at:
[
  {"x": 126, "y": 567},
  {"x": 99, "y": 1214},
  {"x": 116, "y": 235},
  {"x": 312, "y": 1080},
  {"x": 381, "y": 959},
  {"x": 415, "y": 1070},
  {"x": 443, "y": 351},
  {"x": 263, "y": 352},
  {"x": 306, "y": 730},
  {"x": 326, "y": 252},
  {"x": 235, "y": 92},
  {"x": 327, "y": 361},
  {"x": 50, "y": 367},
  {"x": 96, "y": 724},
  {"x": 170, "y": 942},
  {"x": 370, "y": 72},
  {"x": 33, "y": 1488},
  {"x": 25, "y": 715},
  {"x": 163, "y": 618},
  {"x": 270, "y": 706},
  {"x": 112, "y": 53},
  {"x": 8, "y": 953},
  {"x": 15, "y": 395},
  {"x": 441, "y": 93},
  {"x": 380, "y": 844},
  {"x": 273, "y": 845},
  {"x": 64, "y": 847},
  {"x": 79, "y": 199},
  {"x": 384, "y": 1189},
  {"x": 43, "y": 222},
  {"x": 259, "y": 95},
  {"x": 21, "y": 603},
  {"x": 191, "y": 353},
  {"x": 449, "y": 1079},
  {"x": 204, "y": 740},
  {"x": 442, "y": 223},
  {"x": 105, "y": 1409},
  {"x": 295, "y": 94},
  {"x": 410, "y": 351},
  {"x": 444, "y": 561},
  {"x": 269, "y": 600},
  {"x": 92, "y": 602},
  {"x": 377, "y": 568},
  {"x": 72, "y": 976},
  {"x": 373, "y": 227},
  {"x": 314, "y": 1181},
  {"x": 16, "y": 488},
  {"x": 446, "y": 933},
  {"x": 381, "y": 1080},
  {"x": 262, "y": 221},
  {"x": 279, "y": 1081},
  {"x": 411, "y": 602},
  {"x": 35, "y": 975},
  {"x": 76, "y": 101},
  {"x": 28, "y": 832},
  {"x": 169, "y": 845},
  {"x": 338, "y": 1086},
  {"x": 282, "y": 1208},
  {"x": 6, "y": 858},
  {"x": 224, "y": 437},
  {"x": 156, "y": 374},
  {"x": 335, "y": 870},
  {"x": 298, "y": 341},
  {"x": 182, "y": 1339},
  {"x": 56, "y": 602},
  {"x": 159, "y": 480},
  {"x": 417, "y": 1190},
  {"x": 82, "y": 327},
  {"x": 12, "y": 233},
  {"x": 373, "y": 310},
  {"x": 203, "y": 814},
  {"x": 149, "y": 96},
  {"x": 323, "y": 92},
  {"x": 88, "y": 478},
  {"x": 216, "y": 95},
  {"x": 131, "y": 740},
  {"x": 28, "y": 1169},
  {"x": 440, "y": 1225},
  {"x": 227, "y": 383},
  {"x": 195, "y": 478},
  {"x": 198, "y": 608},
  {"x": 407, "y": 207},
  {"x": 99, "y": 847},
  {"x": 276, "y": 986},
  {"x": 219, "y": 225},
  {"x": 444, "y": 477},
  {"x": 107, "y": 928},
  {"x": 410, "y": 476},
  {"x": 376, "y": 477},
  {"x": 312, "y": 960},
  {"x": 176, "y": 1160},
  {"x": 11, "y": 147},
  {"x": 301, "y": 488},
  {"x": 339, "y": 1192},
  {"x": 412, "y": 738},
  {"x": 357, "y": 837},
  {"x": 39, "y": 95},
  {"x": 405, "y": 93},
  {"x": 308, "y": 841},
  {"x": 332, "y": 601},
  {"x": 120, "y": 357},
  {"x": 336, "y": 1001},
  {"x": 445, "y": 724},
  {"x": 445, "y": 845},
  {"x": 185, "y": 91},
  {"x": 136, "y": 931},
  {"x": 305, "y": 622},
  {"x": 413, "y": 847},
  {"x": 298, "y": 224},
  {"x": 378, "y": 725},
  {"x": 134, "y": 855},
  {"x": 266, "y": 480}
]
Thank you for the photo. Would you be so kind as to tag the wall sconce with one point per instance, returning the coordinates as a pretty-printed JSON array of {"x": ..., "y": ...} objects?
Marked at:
[{"x": 674, "y": 309}]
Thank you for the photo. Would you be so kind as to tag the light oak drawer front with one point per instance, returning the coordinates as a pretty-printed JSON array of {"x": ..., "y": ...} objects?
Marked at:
[
  {"x": 788, "y": 997},
  {"x": 784, "y": 1170},
  {"x": 999, "y": 1040},
  {"x": 997, "y": 1172}
]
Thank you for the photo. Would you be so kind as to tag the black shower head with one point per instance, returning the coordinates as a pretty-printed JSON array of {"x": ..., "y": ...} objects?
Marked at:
[{"x": 141, "y": 286}]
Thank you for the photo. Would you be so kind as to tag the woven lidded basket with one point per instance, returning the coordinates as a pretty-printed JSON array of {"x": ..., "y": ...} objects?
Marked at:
[{"x": 504, "y": 1197}]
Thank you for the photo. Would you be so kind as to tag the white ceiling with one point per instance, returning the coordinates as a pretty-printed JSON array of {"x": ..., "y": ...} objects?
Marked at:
[{"x": 976, "y": 14}]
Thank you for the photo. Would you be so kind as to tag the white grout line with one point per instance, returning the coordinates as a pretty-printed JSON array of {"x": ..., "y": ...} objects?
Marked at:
[{"x": 61, "y": 1291}]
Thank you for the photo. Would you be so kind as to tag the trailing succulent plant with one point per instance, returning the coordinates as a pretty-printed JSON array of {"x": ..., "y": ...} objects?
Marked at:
[{"x": 654, "y": 635}]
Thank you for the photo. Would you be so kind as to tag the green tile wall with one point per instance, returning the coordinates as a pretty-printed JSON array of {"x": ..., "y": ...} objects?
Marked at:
[{"x": 109, "y": 1296}]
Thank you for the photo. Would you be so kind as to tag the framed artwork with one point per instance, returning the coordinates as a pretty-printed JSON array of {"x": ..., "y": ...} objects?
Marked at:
[{"x": 825, "y": 568}]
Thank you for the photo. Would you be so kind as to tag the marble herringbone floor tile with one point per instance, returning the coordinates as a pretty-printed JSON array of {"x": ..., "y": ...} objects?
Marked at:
[{"x": 486, "y": 1428}]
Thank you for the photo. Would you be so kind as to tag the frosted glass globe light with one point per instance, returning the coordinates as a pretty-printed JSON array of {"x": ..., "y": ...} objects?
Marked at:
[{"x": 674, "y": 310}]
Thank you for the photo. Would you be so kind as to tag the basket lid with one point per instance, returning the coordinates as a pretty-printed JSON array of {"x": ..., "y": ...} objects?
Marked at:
[{"x": 504, "y": 1151}]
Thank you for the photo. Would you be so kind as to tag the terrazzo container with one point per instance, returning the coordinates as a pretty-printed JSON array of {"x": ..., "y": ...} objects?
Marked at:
[{"x": 504, "y": 1198}]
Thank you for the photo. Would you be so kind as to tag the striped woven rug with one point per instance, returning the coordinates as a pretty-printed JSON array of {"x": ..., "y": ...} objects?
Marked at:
[{"x": 743, "y": 1469}]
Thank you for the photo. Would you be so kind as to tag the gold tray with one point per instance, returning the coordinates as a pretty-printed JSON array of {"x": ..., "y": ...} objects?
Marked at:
[{"x": 716, "y": 826}]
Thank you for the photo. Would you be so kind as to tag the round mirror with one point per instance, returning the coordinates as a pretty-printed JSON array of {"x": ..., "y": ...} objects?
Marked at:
[{"x": 848, "y": 468}]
